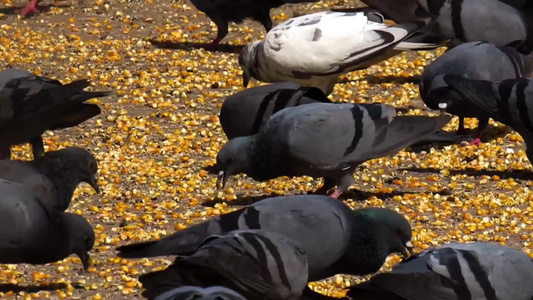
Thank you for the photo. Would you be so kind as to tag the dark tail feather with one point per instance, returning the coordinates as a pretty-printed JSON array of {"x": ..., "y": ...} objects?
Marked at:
[
  {"x": 76, "y": 116},
  {"x": 404, "y": 131},
  {"x": 84, "y": 96},
  {"x": 64, "y": 92},
  {"x": 183, "y": 242}
]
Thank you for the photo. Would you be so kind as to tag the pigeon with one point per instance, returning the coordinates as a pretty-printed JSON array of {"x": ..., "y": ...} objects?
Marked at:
[
  {"x": 311, "y": 50},
  {"x": 474, "y": 60},
  {"x": 322, "y": 140},
  {"x": 34, "y": 234},
  {"x": 54, "y": 176},
  {"x": 244, "y": 113},
  {"x": 256, "y": 263},
  {"x": 30, "y": 105},
  {"x": 197, "y": 293},
  {"x": 508, "y": 101},
  {"x": 501, "y": 22},
  {"x": 452, "y": 272},
  {"x": 221, "y": 12},
  {"x": 335, "y": 238}
]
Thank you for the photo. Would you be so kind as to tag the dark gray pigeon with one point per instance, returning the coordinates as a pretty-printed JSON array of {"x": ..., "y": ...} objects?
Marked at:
[
  {"x": 474, "y": 60},
  {"x": 243, "y": 113},
  {"x": 509, "y": 101},
  {"x": 400, "y": 11},
  {"x": 336, "y": 238},
  {"x": 454, "y": 272},
  {"x": 34, "y": 234},
  {"x": 311, "y": 50},
  {"x": 256, "y": 263},
  {"x": 54, "y": 176},
  {"x": 198, "y": 293},
  {"x": 322, "y": 140},
  {"x": 221, "y": 12},
  {"x": 501, "y": 22},
  {"x": 30, "y": 105}
]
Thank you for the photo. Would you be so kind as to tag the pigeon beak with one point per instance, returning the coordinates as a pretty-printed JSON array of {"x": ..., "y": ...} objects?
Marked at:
[
  {"x": 442, "y": 107},
  {"x": 221, "y": 179},
  {"x": 245, "y": 78},
  {"x": 94, "y": 183},
  {"x": 84, "y": 257},
  {"x": 406, "y": 252}
]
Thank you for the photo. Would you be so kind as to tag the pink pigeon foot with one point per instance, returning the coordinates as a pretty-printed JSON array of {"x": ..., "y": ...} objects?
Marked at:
[
  {"x": 335, "y": 194},
  {"x": 31, "y": 8},
  {"x": 477, "y": 142}
]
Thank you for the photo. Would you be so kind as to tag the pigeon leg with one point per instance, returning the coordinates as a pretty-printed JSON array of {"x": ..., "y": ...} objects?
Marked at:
[
  {"x": 483, "y": 123},
  {"x": 5, "y": 153},
  {"x": 31, "y": 8},
  {"x": 461, "y": 128},
  {"x": 264, "y": 19},
  {"x": 345, "y": 183},
  {"x": 222, "y": 30},
  {"x": 328, "y": 185},
  {"x": 37, "y": 146}
]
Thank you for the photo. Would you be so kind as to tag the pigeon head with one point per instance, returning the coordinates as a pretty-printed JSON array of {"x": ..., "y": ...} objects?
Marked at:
[
  {"x": 248, "y": 62},
  {"x": 233, "y": 159},
  {"x": 78, "y": 163},
  {"x": 81, "y": 237},
  {"x": 393, "y": 229}
]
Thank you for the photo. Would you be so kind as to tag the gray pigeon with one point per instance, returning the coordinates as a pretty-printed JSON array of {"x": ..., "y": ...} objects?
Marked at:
[
  {"x": 221, "y": 12},
  {"x": 322, "y": 140},
  {"x": 501, "y": 22},
  {"x": 258, "y": 264},
  {"x": 400, "y": 11},
  {"x": 314, "y": 50},
  {"x": 198, "y": 293},
  {"x": 509, "y": 101},
  {"x": 351, "y": 242},
  {"x": 30, "y": 105},
  {"x": 34, "y": 234},
  {"x": 54, "y": 176},
  {"x": 454, "y": 272},
  {"x": 474, "y": 60}
]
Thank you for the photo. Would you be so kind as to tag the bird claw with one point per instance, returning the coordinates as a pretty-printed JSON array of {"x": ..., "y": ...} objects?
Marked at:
[
  {"x": 29, "y": 10},
  {"x": 476, "y": 142},
  {"x": 335, "y": 194}
]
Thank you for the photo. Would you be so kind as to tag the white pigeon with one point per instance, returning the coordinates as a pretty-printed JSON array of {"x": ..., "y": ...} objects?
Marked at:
[{"x": 313, "y": 50}]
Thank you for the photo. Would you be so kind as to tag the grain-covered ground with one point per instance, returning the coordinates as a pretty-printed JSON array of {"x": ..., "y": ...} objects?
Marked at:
[{"x": 160, "y": 128}]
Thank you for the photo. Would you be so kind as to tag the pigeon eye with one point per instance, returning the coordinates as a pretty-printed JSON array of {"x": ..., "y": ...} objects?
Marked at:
[
  {"x": 398, "y": 232},
  {"x": 92, "y": 166}
]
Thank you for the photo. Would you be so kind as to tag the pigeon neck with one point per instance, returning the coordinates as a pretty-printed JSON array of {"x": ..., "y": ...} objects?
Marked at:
[
  {"x": 366, "y": 252},
  {"x": 65, "y": 182}
]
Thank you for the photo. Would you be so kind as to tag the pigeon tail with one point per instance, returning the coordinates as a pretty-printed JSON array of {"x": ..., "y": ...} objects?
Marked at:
[
  {"x": 404, "y": 131},
  {"x": 76, "y": 116},
  {"x": 183, "y": 242}
]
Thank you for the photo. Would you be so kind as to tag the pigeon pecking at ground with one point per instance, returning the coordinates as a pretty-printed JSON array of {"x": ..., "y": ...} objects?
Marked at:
[
  {"x": 258, "y": 264},
  {"x": 353, "y": 242},
  {"x": 474, "y": 60},
  {"x": 501, "y": 22},
  {"x": 454, "y": 272},
  {"x": 54, "y": 176},
  {"x": 221, "y": 12},
  {"x": 509, "y": 101},
  {"x": 198, "y": 293},
  {"x": 34, "y": 234},
  {"x": 322, "y": 140},
  {"x": 314, "y": 50},
  {"x": 30, "y": 105}
]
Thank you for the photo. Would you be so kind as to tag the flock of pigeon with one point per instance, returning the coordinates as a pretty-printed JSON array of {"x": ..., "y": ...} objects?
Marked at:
[{"x": 274, "y": 247}]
